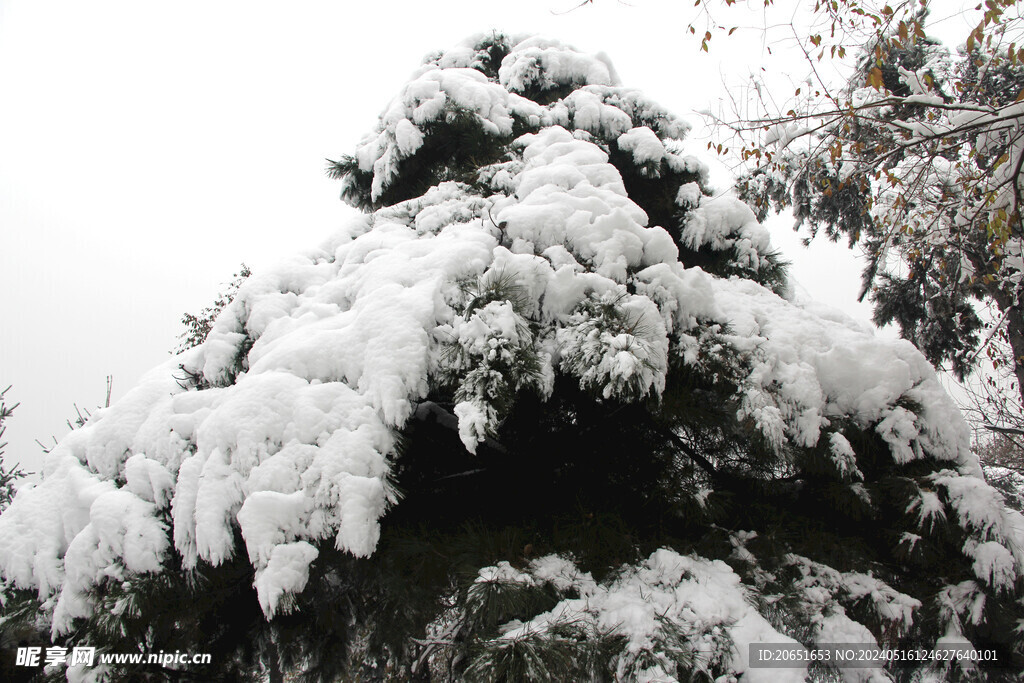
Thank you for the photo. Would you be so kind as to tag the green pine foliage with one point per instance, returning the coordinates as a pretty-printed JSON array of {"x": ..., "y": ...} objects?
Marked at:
[
  {"x": 17, "y": 617},
  {"x": 9, "y": 474},
  {"x": 197, "y": 325},
  {"x": 918, "y": 178},
  {"x": 457, "y": 148}
]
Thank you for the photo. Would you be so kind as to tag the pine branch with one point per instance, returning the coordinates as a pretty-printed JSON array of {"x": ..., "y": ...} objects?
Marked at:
[
  {"x": 687, "y": 449},
  {"x": 448, "y": 420},
  {"x": 467, "y": 473},
  {"x": 1005, "y": 430}
]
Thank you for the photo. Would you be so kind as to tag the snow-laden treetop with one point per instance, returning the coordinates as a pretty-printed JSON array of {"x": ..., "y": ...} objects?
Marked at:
[{"x": 515, "y": 198}]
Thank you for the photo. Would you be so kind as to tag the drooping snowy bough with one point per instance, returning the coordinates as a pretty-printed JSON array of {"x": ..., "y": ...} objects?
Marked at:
[{"x": 546, "y": 410}]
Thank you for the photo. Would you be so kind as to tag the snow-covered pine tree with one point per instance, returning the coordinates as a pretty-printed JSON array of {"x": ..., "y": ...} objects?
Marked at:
[
  {"x": 198, "y": 325},
  {"x": 9, "y": 474},
  {"x": 917, "y": 160},
  {"x": 546, "y": 411}
]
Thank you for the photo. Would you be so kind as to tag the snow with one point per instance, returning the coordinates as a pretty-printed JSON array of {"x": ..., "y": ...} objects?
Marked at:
[
  {"x": 704, "y": 598},
  {"x": 408, "y": 137},
  {"x": 544, "y": 63},
  {"x": 284, "y": 423},
  {"x": 149, "y": 480},
  {"x": 503, "y": 572},
  {"x": 928, "y": 508},
  {"x": 961, "y": 604},
  {"x": 689, "y": 195},
  {"x": 218, "y": 497},
  {"x": 970, "y": 130},
  {"x": 453, "y": 83},
  {"x": 993, "y": 563},
  {"x": 899, "y": 430},
  {"x": 432, "y": 95},
  {"x": 844, "y": 457},
  {"x": 644, "y": 144},
  {"x": 838, "y": 628},
  {"x": 827, "y": 590},
  {"x": 1009, "y": 482},
  {"x": 268, "y": 519},
  {"x": 725, "y": 223},
  {"x": 629, "y": 361},
  {"x": 122, "y": 535},
  {"x": 996, "y": 544},
  {"x": 813, "y": 370},
  {"x": 590, "y": 113},
  {"x": 979, "y": 505},
  {"x": 953, "y": 640},
  {"x": 641, "y": 111},
  {"x": 781, "y": 134},
  {"x": 475, "y": 420},
  {"x": 39, "y": 529},
  {"x": 287, "y": 571}
]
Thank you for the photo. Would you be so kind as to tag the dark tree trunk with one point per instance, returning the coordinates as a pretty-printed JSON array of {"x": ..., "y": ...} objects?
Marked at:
[
  {"x": 1015, "y": 326},
  {"x": 274, "y": 664},
  {"x": 1013, "y": 308}
]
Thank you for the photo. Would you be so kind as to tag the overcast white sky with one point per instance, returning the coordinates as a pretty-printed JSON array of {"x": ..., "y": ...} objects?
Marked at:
[{"x": 148, "y": 148}]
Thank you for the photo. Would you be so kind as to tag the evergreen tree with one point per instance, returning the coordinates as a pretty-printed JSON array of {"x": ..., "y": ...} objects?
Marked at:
[
  {"x": 499, "y": 429},
  {"x": 10, "y": 638},
  {"x": 9, "y": 474},
  {"x": 197, "y": 325},
  {"x": 917, "y": 160},
  {"x": 1002, "y": 458}
]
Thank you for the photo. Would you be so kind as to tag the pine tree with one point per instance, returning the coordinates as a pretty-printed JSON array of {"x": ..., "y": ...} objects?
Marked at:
[
  {"x": 543, "y": 413},
  {"x": 10, "y": 637},
  {"x": 917, "y": 160},
  {"x": 9, "y": 474},
  {"x": 198, "y": 325}
]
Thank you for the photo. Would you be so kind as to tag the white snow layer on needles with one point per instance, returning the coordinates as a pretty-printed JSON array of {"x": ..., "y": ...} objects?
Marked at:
[
  {"x": 703, "y": 598},
  {"x": 283, "y": 423},
  {"x": 723, "y": 223},
  {"x": 448, "y": 85}
]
